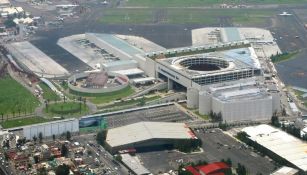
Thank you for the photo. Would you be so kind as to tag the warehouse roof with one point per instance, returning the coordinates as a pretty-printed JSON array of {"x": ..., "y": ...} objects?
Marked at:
[
  {"x": 143, "y": 80},
  {"x": 143, "y": 131},
  {"x": 281, "y": 143},
  {"x": 285, "y": 171},
  {"x": 127, "y": 72},
  {"x": 120, "y": 63},
  {"x": 118, "y": 43}
]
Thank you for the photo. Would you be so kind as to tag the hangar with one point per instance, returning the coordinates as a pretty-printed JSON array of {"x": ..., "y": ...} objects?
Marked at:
[
  {"x": 147, "y": 134},
  {"x": 280, "y": 144}
]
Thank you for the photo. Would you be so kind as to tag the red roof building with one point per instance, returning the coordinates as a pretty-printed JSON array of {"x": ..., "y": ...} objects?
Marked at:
[{"x": 216, "y": 168}]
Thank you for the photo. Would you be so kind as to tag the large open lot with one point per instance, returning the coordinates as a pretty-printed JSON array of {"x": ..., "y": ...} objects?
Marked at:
[
  {"x": 159, "y": 114},
  {"x": 197, "y": 3},
  {"x": 14, "y": 98},
  {"x": 187, "y": 16},
  {"x": 23, "y": 122},
  {"x": 216, "y": 146}
]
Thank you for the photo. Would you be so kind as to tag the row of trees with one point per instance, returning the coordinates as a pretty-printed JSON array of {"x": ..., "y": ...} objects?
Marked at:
[
  {"x": 40, "y": 136},
  {"x": 291, "y": 129},
  {"x": 216, "y": 117},
  {"x": 187, "y": 145},
  {"x": 15, "y": 113},
  {"x": 101, "y": 137}
]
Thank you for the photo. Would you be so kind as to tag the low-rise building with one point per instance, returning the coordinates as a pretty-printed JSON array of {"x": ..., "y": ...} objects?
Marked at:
[
  {"x": 280, "y": 144},
  {"x": 147, "y": 135},
  {"x": 216, "y": 168}
]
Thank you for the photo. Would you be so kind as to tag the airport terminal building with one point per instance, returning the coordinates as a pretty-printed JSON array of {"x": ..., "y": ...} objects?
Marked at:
[
  {"x": 201, "y": 71},
  {"x": 196, "y": 70}
]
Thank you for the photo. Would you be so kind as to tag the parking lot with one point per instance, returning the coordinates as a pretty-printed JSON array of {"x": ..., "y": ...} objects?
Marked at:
[
  {"x": 159, "y": 114},
  {"x": 216, "y": 146}
]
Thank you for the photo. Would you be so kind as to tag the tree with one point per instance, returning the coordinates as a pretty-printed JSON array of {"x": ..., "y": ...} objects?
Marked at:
[
  {"x": 62, "y": 170},
  {"x": 219, "y": 117},
  {"x": 64, "y": 150},
  {"x": 9, "y": 23},
  {"x": 228, "y": 161},
  {"x": 42, "y": 171},
  {"x": 241, "y": 170},
  {"x": 40, "y": 137},
  {"x": 283, "y": 112},
  {"x": 36, "y": 159},
  {"x": 101, "y": 136},
  {"x": 68, "y": 135},
  {"x": 275, "y": 120},
  {"x": 34, "y": 138},
  {"x": 6, "y": 143},
  {"x": 142, "y": 101},
  {"x": 118, "y": 157}
]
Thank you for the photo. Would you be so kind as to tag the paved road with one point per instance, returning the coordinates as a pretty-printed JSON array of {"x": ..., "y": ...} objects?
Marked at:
[{"x": 102, "y": 154}]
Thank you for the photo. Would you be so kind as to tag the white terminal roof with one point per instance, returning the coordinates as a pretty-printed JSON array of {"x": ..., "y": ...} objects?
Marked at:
[
  {"x": 281, "y": 143},
  {"x": 239, "y": 92},
  {"x": 127, "y": 72},
  {"x": 143, "y": 80},
  {"x": 143, "y": 131}
]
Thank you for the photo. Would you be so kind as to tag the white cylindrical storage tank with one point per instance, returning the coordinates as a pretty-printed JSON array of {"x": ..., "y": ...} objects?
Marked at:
[
  {"x": 192, "y": 98},
  {"x": 204, "y": 103}
]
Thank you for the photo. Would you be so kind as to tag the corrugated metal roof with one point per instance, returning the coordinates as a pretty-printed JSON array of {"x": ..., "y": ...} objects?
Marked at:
[
  {"x": 232, "y": 34},
  {"x": 143, "y": 131},
  {"x": 120, "y": 63},
  {"x": 119, "y": 43},
  {"x": 212, "y": 167},
  {"x": 281, "y": 143},
  {"x": 128, "y": 72}
]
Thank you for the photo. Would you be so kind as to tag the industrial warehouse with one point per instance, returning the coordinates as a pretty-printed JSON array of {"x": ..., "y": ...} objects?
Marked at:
[
  {"x": 280, "y": 143},
  {"x": 147, "y": 134}
]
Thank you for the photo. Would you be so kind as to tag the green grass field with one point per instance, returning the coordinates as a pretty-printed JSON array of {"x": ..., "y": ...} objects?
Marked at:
[
  {"x": 106, "y": 97},
  {"x": 48, "y": 93},
  {"x": 14, "y": 97},
  {"x": 23, "y": 122},
  {"x": 198, "y": 3},
  {"x": 299, "y": 96},
  {"x": 283, "y": 57},
  {"x": 187, "y": 16},
  {"x": 68, "y": 108}
]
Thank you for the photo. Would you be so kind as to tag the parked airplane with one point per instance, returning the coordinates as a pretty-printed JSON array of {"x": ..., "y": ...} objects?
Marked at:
[
  {"x": 67, "y": 6},
  {"x": 285, "y": 14}
]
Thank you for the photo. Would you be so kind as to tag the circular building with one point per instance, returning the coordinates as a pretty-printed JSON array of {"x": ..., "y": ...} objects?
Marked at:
[{"x": 97, "y": 82}]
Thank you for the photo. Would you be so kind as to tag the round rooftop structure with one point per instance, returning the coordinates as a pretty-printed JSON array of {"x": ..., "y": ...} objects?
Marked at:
[
  {"x": 97, "y": 82},
  {"x": 203, "y": 63}
]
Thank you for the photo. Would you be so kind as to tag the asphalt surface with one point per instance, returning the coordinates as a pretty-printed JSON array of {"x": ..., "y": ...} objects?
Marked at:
[
  {"x": 102, "y": 154},
  {"x": 213, "y": 151},
  {"x": 160, "y": 114},
  {"x": 290, "y": 32}
]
